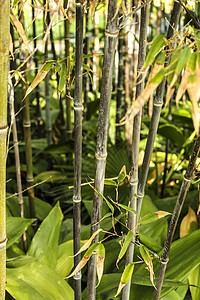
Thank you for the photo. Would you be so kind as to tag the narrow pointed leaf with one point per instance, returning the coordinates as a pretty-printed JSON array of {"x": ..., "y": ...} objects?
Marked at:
[
  {"x": 100, "y": 261},
  {"x": 122, "y": 175},
  {"x": 126, "y": 275},
  {"x": 40, "y": 76},
  {"x": 102, "y": 196},
  {"x": 126, "y": 243},
  {"x": 130, "y": 209},
  {"x": 63, "y": 76},
  {"x": 156, "y": 46}
]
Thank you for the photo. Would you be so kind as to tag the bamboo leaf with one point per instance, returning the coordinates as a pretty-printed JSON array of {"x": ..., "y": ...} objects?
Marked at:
[
  {"x": 100, "y": 261},
  {"x": 122, "y": 175},
  {"x": 110, "y": 182},
  {"x": 11, "y": 47},
  {"x": 156, "y": 46},
  {"x": 84, "y": 260},
  {"x": 40, "y": 76},
  {"x": 148, "y": 261},
  {"x": 161, "y": 214},
  {"x": 102, "y": 196},
  {"x": 126, "y": 275},
  {"x": 187, "y": 221},
  {"x": 106, "y": 216},
  {"x": 20, "y": 31},
  {"x": 92, "y": 7},
  {"x": 88, "y": 243},
  {"x": 127, "y": 208},
  {"x": 126, "y": 243},
  {"x": 63, "y": 76},
  {"x": 61, "y": 8}
]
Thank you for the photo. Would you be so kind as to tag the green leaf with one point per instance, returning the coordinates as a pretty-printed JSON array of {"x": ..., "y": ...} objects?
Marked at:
[
  {"x": 185, "y": 53},
  {"x": 192, "y": 61},
  {"x": 44, "y": 245},
  {"x": 37, "y": 281},
  {"x": 126, "y": 243},
  {"x": 159, "y": 76},
  {"x": 110, "y": 182},
  {"x": 156, "y": 46},
  {"x": 130, "y": 209},
  {"x": 173, "y": 133},
  {"x": 144, "y": 253},
  {"x": 48, "y": 64},
  {"x": 102, "y": 196},
  {"x": 90, "y": 250},
  {"x": 15, "y": 227},
  {"x": 63, "y": 76},
  {"x": 65, "y": 260}
]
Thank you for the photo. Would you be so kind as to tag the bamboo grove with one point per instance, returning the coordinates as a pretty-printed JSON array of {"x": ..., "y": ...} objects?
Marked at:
[{"x": 99, "y": 166}]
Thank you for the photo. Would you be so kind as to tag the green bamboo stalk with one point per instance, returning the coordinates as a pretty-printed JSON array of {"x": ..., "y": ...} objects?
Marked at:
[
  {"x": 27, "y": 124},
  {"x": 132, "y": 220},
  {"x": 111, "y": 34},
  {"x": 17, "y": 157},
  {"x": 47, "y": 78},
  {"x": 4, "y": 67},
  {"x": 176, "y": 213},
  {"x": 78, "y": 143},
  {"x": 158, "y": 101},
  {"x": 68, "y": 99}
]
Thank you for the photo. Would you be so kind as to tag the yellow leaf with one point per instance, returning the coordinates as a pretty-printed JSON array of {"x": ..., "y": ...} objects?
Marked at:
[
  {"x": 11, "y": 47},
  {"x": 82, "y": 263},
  {"x": 62, "y": 9},
  {"x": 161, "y": 214},
  {"x": 171, "y": 89},
  {"x": 88, "y": 242},
  {"x": 186, "y": 222},
  {"x": 183, "y": 85},
  {"x": 20, "y": 31},
  {"x": 150, "y": 269},
  {"x": 100, "y": 265},
  {"x": 92, "y": 7},
  {"x": 120, "y": 287}
]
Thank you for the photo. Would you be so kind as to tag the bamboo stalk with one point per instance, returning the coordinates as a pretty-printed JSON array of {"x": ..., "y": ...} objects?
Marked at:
[
  {"x": 132, "y": 220},
  {"x": 17, "y": 158},
  {"x": 4, "y": 67},
  {"x": 27, "y": 125},
  {"x": 35, "y": 58},
  {"x": 86, "y": 82},
  {"x": 158, "y": 101},
  {"x": 47, "y": 78},
  {"x": 176, "y": 213},
  {"x": 78, "y": 143},
  {"x": 111, "y": 34}
]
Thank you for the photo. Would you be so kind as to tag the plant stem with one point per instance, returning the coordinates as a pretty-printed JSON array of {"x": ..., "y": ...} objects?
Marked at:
[
  {"x": 156, "y": 115},
  {"x": 4, "y": 67},
  {"x": 177, "y": 210},
  {"x": 78, "y": 143},
  {"x": 132, "y": 220},
  {"x": 111, "y": 34}
]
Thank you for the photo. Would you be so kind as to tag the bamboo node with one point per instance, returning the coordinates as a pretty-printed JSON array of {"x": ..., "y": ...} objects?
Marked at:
[
  {"x": 112, "y": 34},
  {"x": 3, "y": 244},
  {"x": 78, "y": 107},
  {"x": 4, "y": 128},
  {"x": 157, "y": 104},
  {"x": 164, "y": 261},
  {"x": 76, "y": 200},
  {"x": 100, "y": 156},
  {"x": 77, "y": 276},
  {"x": 133, "y": 182},
  {"x": 186, "y": 179},
  {"x": 28, "y": 124}
]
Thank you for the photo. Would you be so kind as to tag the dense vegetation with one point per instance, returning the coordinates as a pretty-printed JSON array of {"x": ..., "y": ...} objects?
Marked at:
[{"x": 102, "y": 150}]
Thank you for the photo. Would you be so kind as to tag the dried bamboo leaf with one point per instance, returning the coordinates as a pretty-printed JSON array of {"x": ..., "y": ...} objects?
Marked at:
[
  {"x": 100, "y": 261},
  {"x": 61, "y": 8},
  {"x": 161, "y": 214},
  {"x": 92, "y": 7},
  {"x": 20, "y": 31},
  {"x": 11, "y": 47},
  {"x": 40, "y": 76},
  {"x": 186, "y": 222},
  {"x": 126, "y": 275}
]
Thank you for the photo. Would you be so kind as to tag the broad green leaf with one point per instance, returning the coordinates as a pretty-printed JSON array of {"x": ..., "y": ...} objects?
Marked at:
[
  {"x": 192, "y": 61},
  {"x": 65, "y": 259},
  {"x": 158, "y": 43},
  {"x": 37, "y": 281},
  {"x": 126, "y": 243},
  {"x": 15, "y": 227},
  {"x": 63, "y": 76},
  {"x": 19, "y": 261},
  {"x": 173, "y": 133},
  {"x": 44, "y": 245},
  {"x": 185, "y": 53},
  {"x": 194, "y": 282}
]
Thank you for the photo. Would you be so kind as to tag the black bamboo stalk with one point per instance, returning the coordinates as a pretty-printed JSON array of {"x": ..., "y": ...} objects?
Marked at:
[
  {"x": 17, "y": 158},
  {"x": 27, "y": 125},
  {"x": 4, "y": 67},
  {"x": 35, "y": 58},
  {"x": 78, "y": 143},
  {"x": 86, "y": 82},
  {"x": 158, "y": 101},
  {"x": 68, "y": 99},
  {"x": 176, "y": 213},
  {"x": 47, "y": 78},
  {"x": 111, "y": 34},
  {"x": 132, "y": 220},
  {"x": 119, "y": 87}
]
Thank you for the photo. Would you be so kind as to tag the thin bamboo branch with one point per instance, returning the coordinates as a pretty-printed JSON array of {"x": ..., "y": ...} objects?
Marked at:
[
  {"x": 111, "y": 34},
  {"x": 78, "y": 143},
  {"x": 4, "y": 67},
  {"x": 132, "y": 221},
  {"x": 176, "y": 213}
]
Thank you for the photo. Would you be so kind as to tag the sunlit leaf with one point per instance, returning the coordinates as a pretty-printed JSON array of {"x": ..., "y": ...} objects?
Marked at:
[
  {"x": 187, "y": 221},
  {"x": 122, "y": 175},
  {"x": 126, "y": 275},
  {"x": 100, "y": 261},
  {"x": 157, "y": 45},
  {"x": 63, "y": 76}
]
